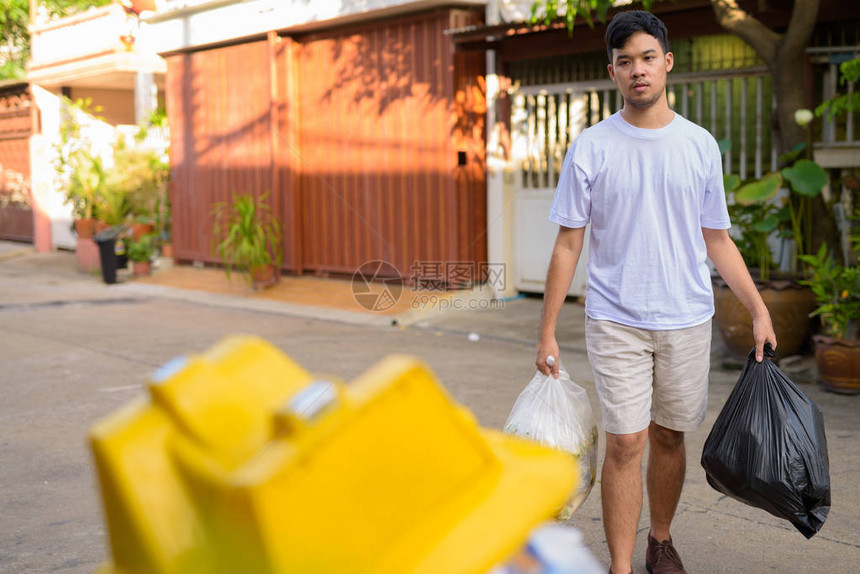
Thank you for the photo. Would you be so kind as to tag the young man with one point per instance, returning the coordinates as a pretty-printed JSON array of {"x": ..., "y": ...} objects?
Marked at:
[{"x": 650, "y": 184}]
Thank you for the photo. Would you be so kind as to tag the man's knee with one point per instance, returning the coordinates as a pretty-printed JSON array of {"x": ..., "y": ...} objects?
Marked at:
[
  {"x": 625, "y": 448},
  {"x": 664, "y": 438}
]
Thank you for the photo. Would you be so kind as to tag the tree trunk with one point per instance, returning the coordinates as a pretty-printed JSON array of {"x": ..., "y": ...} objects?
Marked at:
[
  {"x": 784, "y": 56},
  {"x": 787, "y": 73}
]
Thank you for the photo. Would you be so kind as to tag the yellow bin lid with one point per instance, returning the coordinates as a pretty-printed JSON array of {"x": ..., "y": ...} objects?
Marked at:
[{"x": 240, "y": 460}]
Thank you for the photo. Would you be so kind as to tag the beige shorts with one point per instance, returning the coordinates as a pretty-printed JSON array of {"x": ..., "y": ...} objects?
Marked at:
[{"x": 644, "y": 375}]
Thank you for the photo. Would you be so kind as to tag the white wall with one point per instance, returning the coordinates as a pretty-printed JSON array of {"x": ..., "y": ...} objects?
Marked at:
[
  {"x": 47, "y": 194},
  {"x": 188, "y": 24}
]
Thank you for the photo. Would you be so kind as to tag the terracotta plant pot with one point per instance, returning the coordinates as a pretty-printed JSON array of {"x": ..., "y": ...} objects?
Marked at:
[
  {"x": 141, "y": 268},
  {"x": 838, "y": 364},
  {"x": 138, "y": 230},
  {"x": 167, "y": 250},
  {"x": 100, "y": 225},
  {"x": 789, "y": 304},
  {"x": 87, "y": 255},
  {"x": 85, "y": 227},
  {"x": 262, "y": 276}
]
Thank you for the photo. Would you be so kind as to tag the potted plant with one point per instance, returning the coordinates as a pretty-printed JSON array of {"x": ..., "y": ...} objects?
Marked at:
[
  {"x": 163, "y": 226},
  {"x": 248, "y": 238},
  {"x": 760, "y": 213},
  {"x": 141, "y": 177},
  {"x": 80, "y": 171},
  {"x": 111, "y": 207},
  {"x": 140, "y": 252},
  {"x": 837, "y": 294}
]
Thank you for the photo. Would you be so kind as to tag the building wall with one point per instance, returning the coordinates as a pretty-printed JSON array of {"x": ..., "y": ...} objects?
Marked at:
[
  {"x": 384, "y": 111},
  {"x": 218, "y": 108},
  {"x": 117, "y": 105},
  {"x": 358, "y": 132},
  {"x": 191, "y": 25}
]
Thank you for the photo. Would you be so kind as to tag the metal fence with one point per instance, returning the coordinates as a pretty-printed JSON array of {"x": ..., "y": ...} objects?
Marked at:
[
  {"x": 718, "y": 83},
  {"x": 733, "y": 105}
]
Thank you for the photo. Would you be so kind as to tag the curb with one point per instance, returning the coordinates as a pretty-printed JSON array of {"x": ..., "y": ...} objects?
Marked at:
[
  {"x": 13, "y": 252},
  {"x": 259, "y": 305}
]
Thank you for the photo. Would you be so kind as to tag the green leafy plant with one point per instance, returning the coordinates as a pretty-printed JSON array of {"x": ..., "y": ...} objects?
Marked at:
[
  {"x": 545, "y": 11},
  {"x": 805, "y": 180},
  {"x": 156, "y": 119},
  {"x": 80, "y": 171},
  {"x": 15, "y": 29},
  {"x": 164, "y": 219},
  {"x": 854, "y": 238},
  {"x": 248, "y": 234},
  {"x": 140, "y": 176},
  {"x": 757, "y": 220},
  {"x": 838, "y": 105},
  {"x": 111, "y": 205},
  {"x": 141, "y": 250},
  {"x": 837, "y": 293}
]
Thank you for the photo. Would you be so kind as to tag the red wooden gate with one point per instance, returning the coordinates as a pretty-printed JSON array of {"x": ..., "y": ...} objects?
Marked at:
[
  {"x": 16, "y": 125},
  {"x": 370, "y": 139}
]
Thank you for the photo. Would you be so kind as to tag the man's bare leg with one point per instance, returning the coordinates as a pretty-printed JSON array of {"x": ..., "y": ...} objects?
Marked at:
[
  {"x": 621, "y": 495},
  {"x": 666, "y": 467}
]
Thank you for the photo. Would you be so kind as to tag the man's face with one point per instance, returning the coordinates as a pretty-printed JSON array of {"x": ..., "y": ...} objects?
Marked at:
[{"x": 639, "y": 69}]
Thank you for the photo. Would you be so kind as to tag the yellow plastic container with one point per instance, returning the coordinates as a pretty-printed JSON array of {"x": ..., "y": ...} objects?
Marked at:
[{"x": 240, "y": 461}]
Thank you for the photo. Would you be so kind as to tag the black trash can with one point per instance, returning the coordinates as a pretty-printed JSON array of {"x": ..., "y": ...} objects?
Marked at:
[
  {"x": 106, "y": 240},
  {"x": 121, "y": 251}
]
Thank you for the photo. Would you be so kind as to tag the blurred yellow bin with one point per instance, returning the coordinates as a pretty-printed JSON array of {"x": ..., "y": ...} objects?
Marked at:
[{"x": 239, "y": 460}]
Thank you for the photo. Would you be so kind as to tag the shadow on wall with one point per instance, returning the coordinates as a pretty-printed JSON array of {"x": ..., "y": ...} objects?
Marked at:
[
  {"x": 385, "y": 63},
  {"x": 364, "y": 160}
]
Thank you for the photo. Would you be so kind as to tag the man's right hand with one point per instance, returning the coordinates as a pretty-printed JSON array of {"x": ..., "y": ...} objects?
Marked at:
[
  {"x": 546, "y": 349},
  {"x": 562, "y": 264}
]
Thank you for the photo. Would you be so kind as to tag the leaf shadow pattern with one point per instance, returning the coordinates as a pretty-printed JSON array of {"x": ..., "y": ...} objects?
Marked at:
[{"x": 384, "y": 64}]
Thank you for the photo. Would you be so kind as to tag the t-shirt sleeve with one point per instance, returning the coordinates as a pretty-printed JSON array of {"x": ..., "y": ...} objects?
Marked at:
[
  {"x": 571, "y": 206},
  {"x": 715, "y": 213}
]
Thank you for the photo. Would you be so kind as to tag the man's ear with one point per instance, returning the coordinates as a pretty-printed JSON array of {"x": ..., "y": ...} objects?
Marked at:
[
  {"x": 611, "y": 71},
  {"x": 670, "y": 61}
]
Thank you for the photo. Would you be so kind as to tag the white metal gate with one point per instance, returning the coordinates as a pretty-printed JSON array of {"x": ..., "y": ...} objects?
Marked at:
[{"x": 735, "y": 105}]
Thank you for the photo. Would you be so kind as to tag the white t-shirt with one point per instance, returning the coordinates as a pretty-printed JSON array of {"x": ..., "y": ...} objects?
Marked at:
[{"x": 647, "y": 194}]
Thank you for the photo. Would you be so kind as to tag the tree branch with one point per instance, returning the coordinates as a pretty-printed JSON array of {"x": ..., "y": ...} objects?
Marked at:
[
  {"x": 800, "y": 28},
  {"x": 762, "y": 39}
]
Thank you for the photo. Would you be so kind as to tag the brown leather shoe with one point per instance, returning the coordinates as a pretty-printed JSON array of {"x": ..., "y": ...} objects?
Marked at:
[{"x": 662, "y": 558}]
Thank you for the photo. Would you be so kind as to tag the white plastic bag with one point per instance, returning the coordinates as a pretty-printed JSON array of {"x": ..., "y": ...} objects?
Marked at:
[{"x": 556, "y": 412}]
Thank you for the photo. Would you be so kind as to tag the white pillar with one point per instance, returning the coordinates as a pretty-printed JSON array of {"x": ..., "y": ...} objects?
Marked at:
[
  {"x": 500, "y": 240},
  {"x": 145, "y": 96}
]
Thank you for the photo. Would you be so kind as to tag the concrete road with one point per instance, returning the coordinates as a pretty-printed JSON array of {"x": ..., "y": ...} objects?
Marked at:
[{"x": 73, "y": 350}]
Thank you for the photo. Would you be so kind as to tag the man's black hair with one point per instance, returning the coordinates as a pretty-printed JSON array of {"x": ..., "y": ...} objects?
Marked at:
[{"x": 625, "y": 24}]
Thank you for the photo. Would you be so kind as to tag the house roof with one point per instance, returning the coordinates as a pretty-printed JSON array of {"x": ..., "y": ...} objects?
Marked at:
[
  {"x": 13, "y": 84},
  {"x": 517, "y": 40},
  {"x": 684, "y": 18}
]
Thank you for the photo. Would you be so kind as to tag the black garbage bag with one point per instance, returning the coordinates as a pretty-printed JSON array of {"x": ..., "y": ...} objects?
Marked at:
[{"x": 768, "y": 450}]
